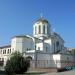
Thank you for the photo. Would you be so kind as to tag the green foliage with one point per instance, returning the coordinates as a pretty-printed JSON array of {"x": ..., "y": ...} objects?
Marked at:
[{"x": 17, "y": 64}]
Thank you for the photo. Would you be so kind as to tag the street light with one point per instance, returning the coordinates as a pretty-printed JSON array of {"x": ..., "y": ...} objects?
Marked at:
[
  {"x": 35, "y": 53},
  {"x": 35, "y": 57}
]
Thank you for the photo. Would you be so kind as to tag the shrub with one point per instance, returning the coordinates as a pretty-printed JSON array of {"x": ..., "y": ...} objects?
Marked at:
[{"x": 17, "y": 64}]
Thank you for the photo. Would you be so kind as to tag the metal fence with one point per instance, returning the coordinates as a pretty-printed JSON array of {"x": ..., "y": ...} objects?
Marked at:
[{"x": 51, "y": 63}]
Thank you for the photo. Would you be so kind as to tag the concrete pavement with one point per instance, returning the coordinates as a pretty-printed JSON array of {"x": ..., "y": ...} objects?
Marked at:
[{"x": 61, "y": 73}]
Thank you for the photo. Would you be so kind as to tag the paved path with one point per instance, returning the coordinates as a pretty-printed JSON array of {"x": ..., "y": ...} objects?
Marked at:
[{"x": 62, "y": 73}]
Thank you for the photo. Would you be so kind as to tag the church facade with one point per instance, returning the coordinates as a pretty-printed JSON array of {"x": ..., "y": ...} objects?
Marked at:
[{"x": 45, "y": 48}]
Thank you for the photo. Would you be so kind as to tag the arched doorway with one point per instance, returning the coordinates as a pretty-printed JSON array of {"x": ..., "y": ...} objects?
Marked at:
[{"x": 29, "y": 58}]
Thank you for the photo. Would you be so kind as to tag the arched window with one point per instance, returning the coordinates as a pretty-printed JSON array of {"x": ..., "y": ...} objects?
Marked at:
[
  {"x": 47, "y": 29},
  {"x": 8, "y": 51},
  {"x": 54, "y": 47},
  {"x": 46, "y": 49},
  {"x": 5, "y": 51},
  {"x": 39, "y": 29},
  {"x": 57, "y": 44},
  {"x": 44, "y": 29}
]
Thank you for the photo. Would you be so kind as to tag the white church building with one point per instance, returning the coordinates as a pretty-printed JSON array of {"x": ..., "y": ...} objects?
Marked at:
[{"x": 45, "y": 48}]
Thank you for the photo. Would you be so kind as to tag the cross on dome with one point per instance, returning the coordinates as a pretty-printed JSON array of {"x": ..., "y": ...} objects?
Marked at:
[
  {"x": 42, "y": 19},
  {"x": 41, "y": 15}
]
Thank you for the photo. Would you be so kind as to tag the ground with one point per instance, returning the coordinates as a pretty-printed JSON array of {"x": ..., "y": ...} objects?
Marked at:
[{"x": 72, "y": 72}]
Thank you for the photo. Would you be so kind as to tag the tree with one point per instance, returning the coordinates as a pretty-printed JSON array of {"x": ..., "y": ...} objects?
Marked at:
[{"x": 17, "y": 64}]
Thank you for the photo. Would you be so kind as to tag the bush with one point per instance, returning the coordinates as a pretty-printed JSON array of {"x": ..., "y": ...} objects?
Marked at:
[{"x": 17, "y": 64}]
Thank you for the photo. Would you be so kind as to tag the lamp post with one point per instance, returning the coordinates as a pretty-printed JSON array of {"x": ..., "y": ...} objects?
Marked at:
[
  {"x": 35, "y": 57},
  {"x": 35, "y": 53}
]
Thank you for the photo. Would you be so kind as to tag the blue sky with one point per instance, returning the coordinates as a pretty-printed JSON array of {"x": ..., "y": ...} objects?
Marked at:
[{"x": 18, "y": 16}]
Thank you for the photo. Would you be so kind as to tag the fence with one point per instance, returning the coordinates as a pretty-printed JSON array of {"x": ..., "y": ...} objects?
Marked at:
[{"x": 51, "y": 63}]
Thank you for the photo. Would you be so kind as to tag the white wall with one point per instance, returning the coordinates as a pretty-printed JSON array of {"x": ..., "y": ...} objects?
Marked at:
[
  {"x": 61, "y": 60},
  {"x": 5, "y": 52},
  {"x": 22, "y": 44},
  {"x": 69, "y": 60},
  {"x": 27, "y": 43},
  {"x": 16, "y": 44},
  {"x": 57, "y": 58},
  {"x": 48, "y": 44},
  {"x": 39, "y": 46},
  {"x": 44, "y": 60},
  {"x": 61, "y": 43}
]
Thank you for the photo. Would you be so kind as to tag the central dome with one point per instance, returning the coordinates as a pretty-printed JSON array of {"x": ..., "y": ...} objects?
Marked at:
[{"x": 42, "y": 20}]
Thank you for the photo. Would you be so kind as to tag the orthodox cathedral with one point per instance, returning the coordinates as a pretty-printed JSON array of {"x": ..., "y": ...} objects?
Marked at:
[{"x": 45, "y": 48}]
